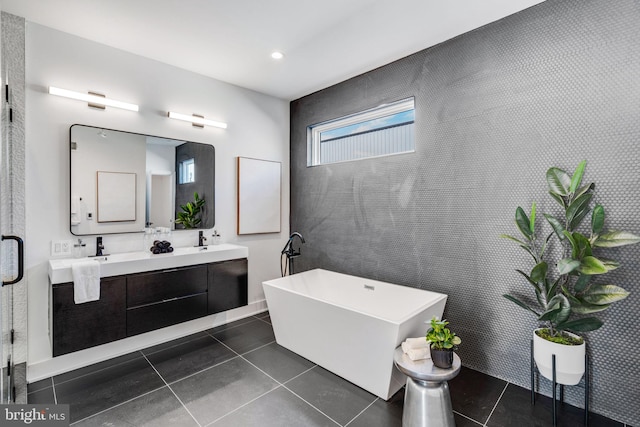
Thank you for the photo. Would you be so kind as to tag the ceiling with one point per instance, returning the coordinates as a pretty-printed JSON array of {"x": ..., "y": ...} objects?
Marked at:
[{"x": 324, "y": 42}]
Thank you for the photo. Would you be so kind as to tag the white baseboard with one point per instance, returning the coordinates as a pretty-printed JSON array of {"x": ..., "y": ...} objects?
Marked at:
[{"x": 79, "y": 359}]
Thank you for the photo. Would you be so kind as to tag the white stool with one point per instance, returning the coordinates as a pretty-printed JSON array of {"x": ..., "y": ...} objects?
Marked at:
[{"x": 427, "y": 402}]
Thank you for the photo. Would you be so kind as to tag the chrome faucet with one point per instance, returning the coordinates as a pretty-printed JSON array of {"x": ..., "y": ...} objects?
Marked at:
[{"x": 201, "y": 238}]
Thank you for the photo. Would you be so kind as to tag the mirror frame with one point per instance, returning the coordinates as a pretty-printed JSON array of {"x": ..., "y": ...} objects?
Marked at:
[{"x": 208, "y": 222}]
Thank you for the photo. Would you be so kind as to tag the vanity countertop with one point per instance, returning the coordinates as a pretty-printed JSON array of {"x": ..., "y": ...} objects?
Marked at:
[{"x": 136, "y": 262}]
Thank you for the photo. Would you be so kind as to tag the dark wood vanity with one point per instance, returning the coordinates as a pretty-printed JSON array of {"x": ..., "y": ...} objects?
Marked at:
[{"x": 135, "y": 303}]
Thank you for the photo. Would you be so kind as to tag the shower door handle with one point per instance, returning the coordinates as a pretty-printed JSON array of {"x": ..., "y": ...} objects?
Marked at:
[{"x": 20, "y": 259}]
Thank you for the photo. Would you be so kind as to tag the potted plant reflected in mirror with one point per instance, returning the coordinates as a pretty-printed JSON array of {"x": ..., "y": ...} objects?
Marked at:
[
  {"x": 567, "y": 280},
  {"x": 442, "y": 343},
  {"x": 191, "y": 214}
]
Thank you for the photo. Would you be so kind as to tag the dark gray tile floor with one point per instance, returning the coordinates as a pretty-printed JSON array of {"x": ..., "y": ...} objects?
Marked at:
[{"x": 236, "y": 375}]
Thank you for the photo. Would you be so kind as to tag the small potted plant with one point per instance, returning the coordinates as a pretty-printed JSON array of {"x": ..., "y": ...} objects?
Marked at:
[
  {"x": 567, "y": 280},
  {"x": 442, "y": 343},
  {"x": 190, "y": 217}
]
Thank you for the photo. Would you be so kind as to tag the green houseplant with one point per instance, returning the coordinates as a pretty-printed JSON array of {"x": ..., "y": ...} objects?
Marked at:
[
  {"x": 569, "y": 289},
  {"x": 442, "y": 343},
  {"x": 190, "y": 217}
]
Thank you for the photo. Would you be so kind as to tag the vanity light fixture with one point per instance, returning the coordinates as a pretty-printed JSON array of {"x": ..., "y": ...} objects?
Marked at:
[
  {"x": 95, "y": 100},
  {"x": 196, "y": 120},
  {"x": 277, "y": 55}
]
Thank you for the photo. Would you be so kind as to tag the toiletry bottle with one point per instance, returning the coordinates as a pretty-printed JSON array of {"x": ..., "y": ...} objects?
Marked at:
[{"x": 79, "y": 249}]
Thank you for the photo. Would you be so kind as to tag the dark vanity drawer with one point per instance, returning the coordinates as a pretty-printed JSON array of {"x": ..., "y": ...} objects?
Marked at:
[
  {"x": 79, "y": 326},
  {"x": 155, "y": 316},
  {"x": 227, "y": 285},
  {"x": 157, "y": 286}
]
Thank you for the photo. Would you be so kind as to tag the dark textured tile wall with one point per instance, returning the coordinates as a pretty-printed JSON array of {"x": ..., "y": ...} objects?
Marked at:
[{"x": 495, "y": 108}]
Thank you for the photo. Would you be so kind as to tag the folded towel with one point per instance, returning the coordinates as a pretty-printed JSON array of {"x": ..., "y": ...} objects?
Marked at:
[
  {"x": 76, "y": 216},
  {"x": 419, "y": 353},
  {"x": 86, "y": 281},
  {"x": 411, "y": 343}
]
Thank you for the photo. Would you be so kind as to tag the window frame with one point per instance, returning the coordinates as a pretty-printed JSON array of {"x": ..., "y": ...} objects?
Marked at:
[{"x": 315, "y": 131}]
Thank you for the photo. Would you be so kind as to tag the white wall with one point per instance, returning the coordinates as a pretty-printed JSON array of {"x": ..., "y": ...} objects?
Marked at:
[{"x": 258, "y": 128}]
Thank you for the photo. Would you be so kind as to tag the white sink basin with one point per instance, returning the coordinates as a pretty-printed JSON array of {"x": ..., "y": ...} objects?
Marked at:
[{"x": 134, "y": 262}]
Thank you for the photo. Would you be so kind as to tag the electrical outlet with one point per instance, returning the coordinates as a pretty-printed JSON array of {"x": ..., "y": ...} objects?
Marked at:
[{"x": 61, "y": 247}]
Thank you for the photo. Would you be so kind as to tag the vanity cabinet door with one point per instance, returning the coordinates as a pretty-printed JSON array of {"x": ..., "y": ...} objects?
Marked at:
[
  {"x": 158, "y": 286},
  {"x": 155, "y": 316},
  {"x": 227, "y": 285},
  {"x": 79, "y": 326},
  {"x": 163, "y": 298}
]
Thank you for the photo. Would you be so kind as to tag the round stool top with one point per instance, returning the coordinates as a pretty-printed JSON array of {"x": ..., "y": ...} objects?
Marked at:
[{"x": 424, "y": 369}]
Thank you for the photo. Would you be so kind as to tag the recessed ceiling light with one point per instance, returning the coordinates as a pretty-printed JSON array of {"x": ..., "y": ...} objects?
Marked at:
[{"x": 277, "y": 55}]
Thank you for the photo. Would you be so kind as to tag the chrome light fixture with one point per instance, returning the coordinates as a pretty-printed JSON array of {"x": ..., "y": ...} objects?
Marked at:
[
  {"x": 196, "y": 120},
  {"x": 95, "y": 100}
]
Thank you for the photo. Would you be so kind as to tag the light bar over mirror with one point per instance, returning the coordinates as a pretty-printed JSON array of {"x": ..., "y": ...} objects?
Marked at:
[
  {"x": 196, "y": 120},
  {"x": 94, "y": 99}
]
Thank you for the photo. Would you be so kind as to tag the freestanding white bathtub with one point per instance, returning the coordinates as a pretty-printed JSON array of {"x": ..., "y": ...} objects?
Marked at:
[{"x": 350, "y": 325}]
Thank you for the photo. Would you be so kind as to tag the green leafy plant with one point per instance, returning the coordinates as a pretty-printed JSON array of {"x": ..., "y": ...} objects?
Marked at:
[
  {"x": 440, "y": 337},
  {"x": 571, "y": 290},
  {"x": 191, "y": 212}
]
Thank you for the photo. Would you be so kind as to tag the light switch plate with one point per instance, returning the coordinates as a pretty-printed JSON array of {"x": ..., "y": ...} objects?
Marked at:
[{"x": 61, "y": 247}]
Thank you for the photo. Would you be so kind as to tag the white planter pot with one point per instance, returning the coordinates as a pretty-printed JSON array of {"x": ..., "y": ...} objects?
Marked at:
[{"x": 569, "y": 360}]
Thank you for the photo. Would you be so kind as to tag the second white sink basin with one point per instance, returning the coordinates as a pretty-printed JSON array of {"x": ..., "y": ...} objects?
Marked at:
[{"x": 134, "y": 262}]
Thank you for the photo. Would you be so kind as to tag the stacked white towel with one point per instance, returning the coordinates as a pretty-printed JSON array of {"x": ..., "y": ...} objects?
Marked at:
[
  {"x": 86, "y": 281},
  {"x": 416, "y": 348}
]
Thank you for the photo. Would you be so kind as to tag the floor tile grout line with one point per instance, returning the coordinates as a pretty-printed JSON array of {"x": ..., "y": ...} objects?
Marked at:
[
  {"x": 305, "y": 401},
  {"x": 278, "y": 382},
  {"x": 497, "y": 402},
  {"x": 205, "y": 335},
  {"x": 361, "y": 412},
  {"x": 468, "y": 417},
  {"x": 243, "y": 405},
  {"x": 233, "y": 327},
  {"x": 99, "y": 370},
  {"x": 203, "y": 370},
  {"x": 300, "y": 374},
  {"x": 262, "y": 320},
  {"x": 174, "y": 393},
  {"x": 43, "y": 388},
  {"x": 55, "y": 395},
  {"x": 119, "y": 404}
]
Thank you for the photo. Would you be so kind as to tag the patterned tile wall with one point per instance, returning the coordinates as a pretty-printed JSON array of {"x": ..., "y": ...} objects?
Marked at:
[{"x": 495, "y": 108}]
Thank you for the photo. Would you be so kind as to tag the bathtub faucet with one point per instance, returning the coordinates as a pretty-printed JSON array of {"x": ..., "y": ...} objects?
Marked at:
[
  {"x": 290, "y": 252},
  {"x": 288, "y": 248}
]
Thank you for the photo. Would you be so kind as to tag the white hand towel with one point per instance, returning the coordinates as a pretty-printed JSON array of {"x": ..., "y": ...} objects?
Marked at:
[
  {"x": 76, "y": 216},
  {"x": 411, "y": 343},
  {"x": 86, "y": 281},
  {"x": 419, "y": 353}
]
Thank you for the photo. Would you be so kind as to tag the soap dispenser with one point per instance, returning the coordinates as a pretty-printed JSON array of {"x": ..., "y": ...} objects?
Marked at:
[
  {"x": 216, "y": 237},
  {"x": 79, "y": 249}
]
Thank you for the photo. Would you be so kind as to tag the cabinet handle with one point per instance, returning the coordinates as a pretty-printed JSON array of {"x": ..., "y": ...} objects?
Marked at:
[{"x": 170, "y": 270}]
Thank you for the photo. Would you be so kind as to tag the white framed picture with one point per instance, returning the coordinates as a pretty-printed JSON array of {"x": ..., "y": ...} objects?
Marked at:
[{"x": 259, "y": 186}]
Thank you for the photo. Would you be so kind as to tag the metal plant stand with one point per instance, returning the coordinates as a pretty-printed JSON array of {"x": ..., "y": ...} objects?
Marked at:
[{"x": 555, "y": 385}]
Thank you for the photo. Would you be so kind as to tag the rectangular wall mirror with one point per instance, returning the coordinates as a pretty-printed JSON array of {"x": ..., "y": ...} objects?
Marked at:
[{"x": 122, "y": 182}]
